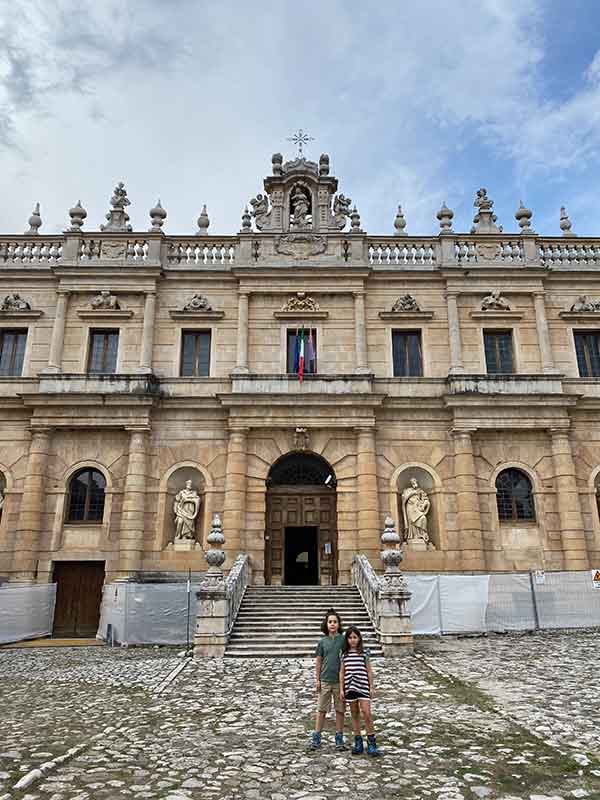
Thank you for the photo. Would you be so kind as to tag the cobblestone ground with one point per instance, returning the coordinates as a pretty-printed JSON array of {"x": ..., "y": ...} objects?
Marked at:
[{"x": 499, "y": 717}]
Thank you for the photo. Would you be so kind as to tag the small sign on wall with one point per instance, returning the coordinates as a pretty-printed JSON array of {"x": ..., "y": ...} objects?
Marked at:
[
  {"x": 596, "y": 578},
  {"x": 327, "y": 548},
  {"x": 540, "y": 576}
]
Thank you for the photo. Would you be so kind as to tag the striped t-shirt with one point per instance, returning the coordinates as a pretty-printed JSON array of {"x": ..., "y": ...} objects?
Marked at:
[{"x": 356, "y": 677}]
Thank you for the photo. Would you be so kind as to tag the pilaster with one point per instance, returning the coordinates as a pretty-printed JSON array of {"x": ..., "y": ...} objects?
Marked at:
[
  {"x": 58, "y": 333},
  {"x": 148, "y": 333},
  {"x": 241, "y": 366},
  {"x": 456, "y": 363},
  {"x": 467, "y": 502},
  {"x": 234, "y": 509},
  {"x": 368, "y": 497},
  {"x": 543, "y": 334},
  {"x": 360, "y": 334},
  {"x": 567, "y": 497},
  {"x": 134, "y": 503}
]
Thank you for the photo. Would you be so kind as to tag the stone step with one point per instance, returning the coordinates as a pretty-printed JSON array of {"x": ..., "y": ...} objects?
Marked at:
[
  {"x": 312, "y": 605},
  {"x": 283, "y": 652},
  {"x": 305, "y": 638}
]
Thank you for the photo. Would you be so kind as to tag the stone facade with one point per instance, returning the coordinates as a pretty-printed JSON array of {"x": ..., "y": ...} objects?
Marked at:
[{"x": 147, "y": 429}]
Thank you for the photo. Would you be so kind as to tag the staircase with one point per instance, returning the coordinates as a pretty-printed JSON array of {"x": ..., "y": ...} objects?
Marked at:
[{"x": 284, "y": 621}]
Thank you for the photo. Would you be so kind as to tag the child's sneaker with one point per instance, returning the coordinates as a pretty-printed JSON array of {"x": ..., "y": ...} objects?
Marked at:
[
  {"x": 372, "y": 746},
  {"x": 358, "y": 747},
  {"x": 339, "y": 741},
  {"x": 315, "y": 742}
]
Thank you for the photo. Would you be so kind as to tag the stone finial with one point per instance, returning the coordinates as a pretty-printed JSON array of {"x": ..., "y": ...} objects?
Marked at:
[
  {"x": 77, "y": 214},
  {"x": 203, "y": 223},
  {"x": 400, "y": 223},
  {"x": 35, "y": 221},
  {"x": 246, "y": 221},
  {"x": 355, "y": 221},
  {"x": 117, "y": 217},
  {"x": 445, "y": 216},
  {"x": 523, "y": 216},
  {"x": 565, "y": 223},
  {"x": 323, "y": 164},
  {"x": 484, "y": 220},
  {"x": 392, "y": 553},
  {"x": 277, "y": 162},
  {"x": 157, "y": 216},
  {"x": 215, "y": 557}
]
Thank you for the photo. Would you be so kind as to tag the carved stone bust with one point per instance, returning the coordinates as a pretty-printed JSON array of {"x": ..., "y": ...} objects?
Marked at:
[
  {"x": 14, "y": 302},
  {"x": 495, "y": 301},
  {"x": 105, "y": 300},
  {"x": 198, "y": 303}
]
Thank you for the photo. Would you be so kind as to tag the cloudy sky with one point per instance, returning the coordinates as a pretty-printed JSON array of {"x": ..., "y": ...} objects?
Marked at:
[{"x": 186, "y": 100}]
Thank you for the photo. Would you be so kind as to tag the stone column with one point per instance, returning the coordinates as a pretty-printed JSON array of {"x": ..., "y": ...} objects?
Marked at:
[
  {"x": 456, "y": 364},
  {"x": 234, "y": 509},
  {"x": 468, "y": 516},
  {"x": 360, "y": 334},
  {"x": 368, "y": 497},
  {"x": 134, "y": 503},
  {"x": 567, "y": 496},
  {"x": 148, "y": 333},
  {"x": 241, "y": 366},
  {"x": 31, "y": 514},
  {"x": 58, "y": 333},
  {"x": 543, "y": 334}
]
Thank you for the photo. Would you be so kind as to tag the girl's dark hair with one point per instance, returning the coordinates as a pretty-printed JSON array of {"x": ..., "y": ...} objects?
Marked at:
[
  {"x": 331, "y": 613},
  {"x": 346, "y": 645}
]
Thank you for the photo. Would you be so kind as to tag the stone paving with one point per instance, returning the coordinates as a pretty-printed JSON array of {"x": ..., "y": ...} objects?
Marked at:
[{"x": 499, "y": 717}]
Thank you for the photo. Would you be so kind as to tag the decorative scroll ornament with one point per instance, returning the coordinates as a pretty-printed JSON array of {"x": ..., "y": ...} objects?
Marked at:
[
  {"x": 301, "y": 439},
  {"x": 494, "y": 301},
  {"x": 14, "y": 302},
  {"x": 341, "y": 210},
  {"x": 301, "y": 302},
  {"x": 301, "y": 245},
  {"x": 585, "y": 304},
  {"x": 406, "y": 303},
  {"x": 117, "y": 217},
  {"x": 105, "y": 300},
  {"x": 198, "y": 303}
]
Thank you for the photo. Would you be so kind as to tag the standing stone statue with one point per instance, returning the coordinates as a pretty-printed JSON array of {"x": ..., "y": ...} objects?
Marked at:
[
  {"x": 186, "y": 507},
  {"x": 415, "y": 507}
]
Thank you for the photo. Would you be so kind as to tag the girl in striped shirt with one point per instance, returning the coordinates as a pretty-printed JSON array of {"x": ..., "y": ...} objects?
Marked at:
[{"x": 356, "y": 686}]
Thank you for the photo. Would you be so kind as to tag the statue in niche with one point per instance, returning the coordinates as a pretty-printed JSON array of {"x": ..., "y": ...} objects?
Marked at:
[
  {"x": 14, "y": 302},
  {"x": 585, "y": 304},
  {"x": 406, "y": 303},
  {"x": 415, "y": 508},
  {"x": 105, "y": 300},
  {"x": 300, "y": 207},
  {"x": 341, "y": 210},
  {"x": 186, "y": 507},
  {"x": 495, "y": 302},
  {"x": 198, "y": 303}
]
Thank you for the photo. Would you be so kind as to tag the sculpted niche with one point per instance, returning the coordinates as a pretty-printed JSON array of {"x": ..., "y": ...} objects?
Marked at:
[
  {"x": 415, "y": 514},
  {"x": 184, "y": 510}
]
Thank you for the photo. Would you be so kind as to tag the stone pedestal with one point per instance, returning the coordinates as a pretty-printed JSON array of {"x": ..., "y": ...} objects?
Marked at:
[
  {"x": 417, "y": 545},
  {"x": 210, "y": 638},
  {"x": 184, "y": 545},
  {"x": 394, "y": 620}
]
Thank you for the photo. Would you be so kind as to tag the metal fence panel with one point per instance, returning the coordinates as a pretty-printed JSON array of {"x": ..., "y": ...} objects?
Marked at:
[
  {"x": 567, "y": 600},
  {"x": 463, "y": 603},
  {"x": 424, "y": 604},
  {"x": 510, "y": 603}
]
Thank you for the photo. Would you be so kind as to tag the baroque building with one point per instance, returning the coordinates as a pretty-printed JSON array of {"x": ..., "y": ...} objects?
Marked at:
[{"x": 303, "y": 379}]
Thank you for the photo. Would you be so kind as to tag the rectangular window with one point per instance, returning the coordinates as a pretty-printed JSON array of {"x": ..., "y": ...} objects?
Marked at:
[
  {"x": 587, "y": 347},
  {"x": 12, "y": 351},
  {"x": 195, "y": 354},
  {"x": 294, "y": 339},
  {"x": 498, "y": 352},
  {"x": 407, "y": 354},
  {"x": 104, "y": 346}
]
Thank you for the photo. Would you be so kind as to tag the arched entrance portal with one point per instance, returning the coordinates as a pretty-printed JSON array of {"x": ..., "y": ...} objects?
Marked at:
[{"x": 301, "y": 535}]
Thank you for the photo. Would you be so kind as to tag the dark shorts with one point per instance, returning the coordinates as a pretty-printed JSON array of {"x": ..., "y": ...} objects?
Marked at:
[{"x": 352, "y": 694}]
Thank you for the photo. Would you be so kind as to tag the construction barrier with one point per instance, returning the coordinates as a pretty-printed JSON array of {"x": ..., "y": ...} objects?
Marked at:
[{"x": 26, "y": 612}]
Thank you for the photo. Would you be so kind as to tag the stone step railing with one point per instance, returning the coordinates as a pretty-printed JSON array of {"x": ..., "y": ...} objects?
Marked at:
[
  {"x": 236, "y": 584},
  {"x": 368, "y": 584}
]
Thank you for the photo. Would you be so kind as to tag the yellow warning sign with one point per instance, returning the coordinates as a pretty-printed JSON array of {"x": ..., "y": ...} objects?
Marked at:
[{"x": 596, "y": 578}]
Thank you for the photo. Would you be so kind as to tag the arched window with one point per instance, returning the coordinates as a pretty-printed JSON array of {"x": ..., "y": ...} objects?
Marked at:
[
  {"x": 514, "y": 496},
  {"x": 86, "y": 496}
]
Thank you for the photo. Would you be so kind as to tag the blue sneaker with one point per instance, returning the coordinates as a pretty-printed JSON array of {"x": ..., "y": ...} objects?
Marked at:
[
  {"x": 358, "y": 747},
  {"x": 315, "y": 742},
  {"x": 339, "y": 741},
  {"x": 372, "y": 746}
]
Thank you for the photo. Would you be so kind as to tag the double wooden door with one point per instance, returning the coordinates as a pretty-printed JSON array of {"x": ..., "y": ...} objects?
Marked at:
[
  {"x": 307, "y": 512},
  {"x": 78, "y": 597}
]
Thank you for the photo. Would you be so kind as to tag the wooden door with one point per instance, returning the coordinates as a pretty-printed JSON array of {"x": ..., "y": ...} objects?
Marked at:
[{"x": 78, "y": 597}]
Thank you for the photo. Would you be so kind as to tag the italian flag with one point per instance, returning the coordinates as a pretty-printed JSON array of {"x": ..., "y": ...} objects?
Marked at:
[{"x": 301, "y": 355}]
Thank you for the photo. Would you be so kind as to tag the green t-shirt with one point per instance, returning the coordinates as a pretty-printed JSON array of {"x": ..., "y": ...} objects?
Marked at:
[{"x": 329, "y": 648}]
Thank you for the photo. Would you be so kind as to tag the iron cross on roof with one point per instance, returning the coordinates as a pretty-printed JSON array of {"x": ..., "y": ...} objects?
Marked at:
[{"x": 300, "y": 138}]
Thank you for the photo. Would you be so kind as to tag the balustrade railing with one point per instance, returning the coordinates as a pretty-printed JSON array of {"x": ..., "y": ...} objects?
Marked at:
[
  {"x": 569, "y": 250},
  {"x": 403, "y": 251},
  {"x": 368, "y": 584},
  {"x": 195, "y": 251},
  {"x": 94, "y": 249},
  {"x": 235, "y": 585},
  {"x": 32, "y": 250},
  {"x": 471, "y": 251}
]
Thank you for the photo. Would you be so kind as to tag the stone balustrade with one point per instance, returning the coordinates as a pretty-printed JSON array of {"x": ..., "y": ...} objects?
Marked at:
[
  {"x": 30, "y": 249},
  {"x": 403, "y": 250}
]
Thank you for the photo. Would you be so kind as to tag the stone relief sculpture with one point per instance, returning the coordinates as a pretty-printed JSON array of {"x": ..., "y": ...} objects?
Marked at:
[
  {"x": 341, "y": 210},
  {"x": 406, "y": 303},
  {"x": 495, "y": 302},
  {"x": 301, "y": 302},
  {"x": 185, "y": 508},
  {"x": 260, "y": 211},
  {"x": 415, "y": 508},
  {"x": 301, "y": 440},
  {"x": 300, "y": 206},
  {"x": 198, "y": 303},
  {"x": 14, "y": 302},
  {"x": 585, "y": 304},
  {"x": 105, "y": 300}
]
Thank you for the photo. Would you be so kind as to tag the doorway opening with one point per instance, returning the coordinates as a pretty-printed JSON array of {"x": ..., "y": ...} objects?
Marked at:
[
  {"x": 78, "y": 597},
  {"x": 301, "y": 565}
]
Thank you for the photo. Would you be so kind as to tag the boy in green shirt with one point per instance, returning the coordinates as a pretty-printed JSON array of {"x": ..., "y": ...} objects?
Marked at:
[{"x": 327, "y": 674}]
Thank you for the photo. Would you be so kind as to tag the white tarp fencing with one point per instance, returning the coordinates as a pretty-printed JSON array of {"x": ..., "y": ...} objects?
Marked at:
[{"x": 26, "y": 612}]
